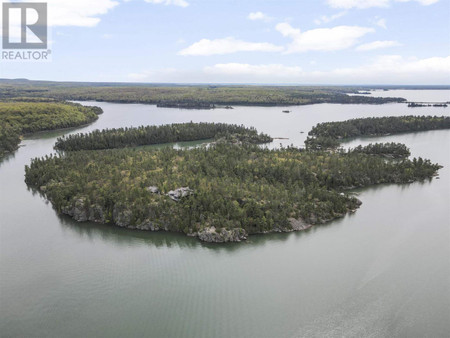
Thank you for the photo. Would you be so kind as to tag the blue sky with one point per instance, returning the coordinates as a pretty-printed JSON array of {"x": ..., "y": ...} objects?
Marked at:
[{"x": 247, "y": 41}]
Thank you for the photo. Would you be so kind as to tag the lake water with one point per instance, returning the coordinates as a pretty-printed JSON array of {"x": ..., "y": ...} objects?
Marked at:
[
  {"x": 439, "y": 95},
  {"x": 381, "y": 272}
]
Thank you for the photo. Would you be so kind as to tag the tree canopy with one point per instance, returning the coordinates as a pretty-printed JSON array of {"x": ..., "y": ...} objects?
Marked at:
[
  {"x": 29, "y": 115},
  {"x": 329, "y": 134},
  {"x": 147, "y": 135}
]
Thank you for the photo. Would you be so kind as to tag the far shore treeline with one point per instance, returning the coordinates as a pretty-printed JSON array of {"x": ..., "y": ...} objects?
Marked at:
[{"x": 189, "y": 96}]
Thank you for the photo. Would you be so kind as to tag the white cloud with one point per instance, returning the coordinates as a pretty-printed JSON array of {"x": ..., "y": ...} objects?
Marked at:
[
  {"x": 327, "y": 19},
  {"x": 287, "y": 30},
  {"x": 422, "y": 2},
  {"x": 259, "y": 16},
  {"x": 322, "y": 39},
  {"x": 83, "y": 13},
  {"x": 347, "y": 4},
  {"x": 181, "y": 3},
  {"x": 377, "y": 45},
  {"x": 87, "y": 13},
  {"x": 227, "y": 46},
  {"x": 390, "y": 69},
  {"x": 395, "y": 69}
]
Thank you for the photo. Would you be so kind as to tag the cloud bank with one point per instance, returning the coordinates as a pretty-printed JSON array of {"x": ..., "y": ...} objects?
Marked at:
[
  {"x": 388, "y": 69},
  {"x": 206, "y": 47}
]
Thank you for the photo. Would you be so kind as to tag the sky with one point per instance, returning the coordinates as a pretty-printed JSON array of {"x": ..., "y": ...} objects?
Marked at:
[{"x": 246, "y": 41}]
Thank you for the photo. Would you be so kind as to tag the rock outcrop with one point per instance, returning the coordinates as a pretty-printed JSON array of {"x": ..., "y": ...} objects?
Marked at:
[
  {"x": 96, "y": 214},
  {"x": 78, "y": 211},
  {"x": 153, "y": 189},
  {"x": 213, "y": 235},
  {"x": 299, "y": 224},
  {"x": 150, "y": 226},
  {"x": 179, "y": 193},
  {"x": 82, "y": 212},
  {"x": 122, "y": 216}
]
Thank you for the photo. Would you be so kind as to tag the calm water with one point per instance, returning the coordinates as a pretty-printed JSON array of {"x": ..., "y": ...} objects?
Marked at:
[
  {"x": 381, "y": 272},
  {"x": 442, "y": 95}
]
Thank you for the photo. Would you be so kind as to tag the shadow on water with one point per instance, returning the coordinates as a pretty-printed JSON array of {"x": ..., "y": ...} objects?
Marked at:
[
  {"x": 158, "y": 239},
  {"x": 129, "y": 237},
  {"x": 126, "y": 237},
  {"x": 7, "y": 157}
]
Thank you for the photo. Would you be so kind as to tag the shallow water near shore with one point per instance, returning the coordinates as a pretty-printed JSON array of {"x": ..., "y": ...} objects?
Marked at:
[{"x": 383, "y": 271}]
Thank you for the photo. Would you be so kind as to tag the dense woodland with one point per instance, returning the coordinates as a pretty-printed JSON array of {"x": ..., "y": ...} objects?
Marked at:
[
  {"x": 147, "y": 135},
  {"x": 28, "y": 115},
  {"x": 201, "y": 97},
  {"x": 329, "y": 134},
  {"x": 243, "y": 188}
]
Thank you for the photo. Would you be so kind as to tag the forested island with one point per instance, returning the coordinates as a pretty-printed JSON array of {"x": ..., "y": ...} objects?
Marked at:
[
  {"x": 188, "y": 96},
  {"x": 219, "y": 193},
  {"x": 329, "y": 135},
  {"x": 147, "y": 135},
  {"x": 28, "y": 115}
]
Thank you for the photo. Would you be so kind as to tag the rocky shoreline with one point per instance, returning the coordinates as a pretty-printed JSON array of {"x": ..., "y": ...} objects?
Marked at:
[{"x": 122, "y": 217}]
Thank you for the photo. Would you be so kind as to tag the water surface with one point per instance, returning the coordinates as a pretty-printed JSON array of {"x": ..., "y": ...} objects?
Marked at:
[{"x": 438, "y": 95}]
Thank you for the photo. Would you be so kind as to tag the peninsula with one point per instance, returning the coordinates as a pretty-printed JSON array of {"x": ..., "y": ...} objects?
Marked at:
[{"x": 29, "y": 115}]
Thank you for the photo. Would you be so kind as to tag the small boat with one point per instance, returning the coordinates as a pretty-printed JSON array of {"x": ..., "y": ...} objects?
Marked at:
[{"x": 286, "y": 111}]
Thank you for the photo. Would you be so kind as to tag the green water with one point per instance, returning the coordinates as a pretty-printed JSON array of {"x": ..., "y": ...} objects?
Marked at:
[{"x": 381, "y": 272}]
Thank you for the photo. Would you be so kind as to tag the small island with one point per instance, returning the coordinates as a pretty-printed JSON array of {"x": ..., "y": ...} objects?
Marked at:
[
  {"x": 329, "y": 135},
  {"x": 424, "y": 104},
  {"x": 170, "y": 133},
  {"x": 222, "y": 192}
]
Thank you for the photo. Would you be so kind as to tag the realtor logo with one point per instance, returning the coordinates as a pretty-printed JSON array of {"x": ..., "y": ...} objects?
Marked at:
[{"x": 24, "y": 25}]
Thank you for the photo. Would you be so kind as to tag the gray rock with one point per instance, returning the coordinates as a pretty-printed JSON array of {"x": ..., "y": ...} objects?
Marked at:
[
  {"x": 96, "y": 214},
  {"x": 211, "y": 235},
  {"x": 179, "y": 193},
  {"x": 148, "y": 225},
  {"x": 122, "y": 216},
  {"x": 79, "y": 211},
  {"x": 299, "y": 224},
  {"x": 153, "y": 189}
]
